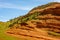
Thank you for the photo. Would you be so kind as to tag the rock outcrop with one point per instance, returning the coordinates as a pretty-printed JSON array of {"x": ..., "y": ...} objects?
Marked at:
[{"x": 48, "y": 20}]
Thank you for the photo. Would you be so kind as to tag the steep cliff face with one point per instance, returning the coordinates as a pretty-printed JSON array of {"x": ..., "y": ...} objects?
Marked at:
[{"x": 44, "y": 23}]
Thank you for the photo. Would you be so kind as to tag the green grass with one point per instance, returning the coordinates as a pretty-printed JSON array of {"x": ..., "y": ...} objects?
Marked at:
[{"x": 3, "y": 36}]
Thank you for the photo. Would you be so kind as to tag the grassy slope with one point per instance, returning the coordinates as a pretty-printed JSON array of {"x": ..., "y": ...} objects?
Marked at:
[{"x": 4, "y": 36}]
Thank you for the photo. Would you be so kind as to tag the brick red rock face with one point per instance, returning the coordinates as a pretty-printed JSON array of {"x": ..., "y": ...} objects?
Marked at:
[
  {"x": 55, "y": 11},
  {"x": 51, "y": 17}
]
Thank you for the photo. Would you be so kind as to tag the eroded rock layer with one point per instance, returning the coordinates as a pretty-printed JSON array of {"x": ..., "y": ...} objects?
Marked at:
[{"x": 48, "y": 20}]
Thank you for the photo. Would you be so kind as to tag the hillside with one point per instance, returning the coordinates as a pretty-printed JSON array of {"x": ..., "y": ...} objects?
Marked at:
[
  {"x": 41, "y": 23},
  {"x": 35, "y": 11}
]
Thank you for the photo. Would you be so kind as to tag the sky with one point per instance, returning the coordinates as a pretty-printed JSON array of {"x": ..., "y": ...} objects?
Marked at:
[{"x": 10, "y": 9}]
